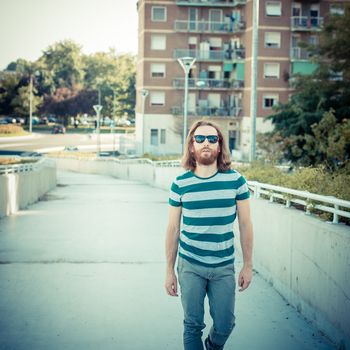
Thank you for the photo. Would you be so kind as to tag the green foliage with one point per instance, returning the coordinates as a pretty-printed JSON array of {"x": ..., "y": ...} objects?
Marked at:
[
  {"x": 64, "y": 62},
  {"x": 66, "y": 83},
  {"x": 315, "y": 180},
  {"x": 313, "y": 127}
]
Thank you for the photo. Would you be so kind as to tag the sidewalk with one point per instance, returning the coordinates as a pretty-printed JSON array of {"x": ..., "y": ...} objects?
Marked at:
[{"x": 84, "y": 269}]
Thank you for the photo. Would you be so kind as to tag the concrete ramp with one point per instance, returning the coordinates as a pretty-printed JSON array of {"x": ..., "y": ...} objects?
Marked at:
[{"x": 84, "y": 269}]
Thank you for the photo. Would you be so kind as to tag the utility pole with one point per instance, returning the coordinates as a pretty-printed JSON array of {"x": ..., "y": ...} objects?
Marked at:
[{"x": 254, "y": 77}]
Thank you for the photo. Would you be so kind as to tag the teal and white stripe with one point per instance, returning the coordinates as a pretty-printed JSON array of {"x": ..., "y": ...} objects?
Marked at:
[{"x": 208, "y": 212}]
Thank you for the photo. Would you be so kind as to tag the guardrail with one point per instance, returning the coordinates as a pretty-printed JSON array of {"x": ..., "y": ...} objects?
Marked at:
[
  {"x": 311, "y": 201},
  {"x": 25, "y": 167}
]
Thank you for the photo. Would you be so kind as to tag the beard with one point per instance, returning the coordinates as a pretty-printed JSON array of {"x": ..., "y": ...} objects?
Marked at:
[{"x": 206, "y": 158}]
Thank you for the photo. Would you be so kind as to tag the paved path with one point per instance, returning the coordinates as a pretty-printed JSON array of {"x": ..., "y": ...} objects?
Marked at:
[{"x": 84, "y": 269}]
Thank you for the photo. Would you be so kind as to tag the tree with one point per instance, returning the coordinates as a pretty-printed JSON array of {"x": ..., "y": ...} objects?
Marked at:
[
  {"x": 114, "y": 76},
  {"x": 326, "y": 90},
  {"x": 63, "y": 60}
]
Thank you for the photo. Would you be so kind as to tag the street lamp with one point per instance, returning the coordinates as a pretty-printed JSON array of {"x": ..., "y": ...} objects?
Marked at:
[
  {"x": 98, "y": 109},
  {"x": 31, "y": 100},
  {"x": 186, "y": 63},
  {"x": 144, "y": 94}
]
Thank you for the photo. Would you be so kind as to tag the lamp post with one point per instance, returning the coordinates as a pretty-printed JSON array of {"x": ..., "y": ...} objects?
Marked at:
[
  {"x": 31, "y": 103},
  {"x": 31, "y": 83},
  {"x": 98, "y": 109},
  {"x": 144, "y": 94},
  {"x": 186, "y": 63},
  {"x": 254, "y": 78}
]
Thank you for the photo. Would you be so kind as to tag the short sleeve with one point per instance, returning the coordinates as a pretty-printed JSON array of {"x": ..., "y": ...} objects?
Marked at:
[
  {"x": 175, "y": 196},
  {"x": 242, "y": 190}
]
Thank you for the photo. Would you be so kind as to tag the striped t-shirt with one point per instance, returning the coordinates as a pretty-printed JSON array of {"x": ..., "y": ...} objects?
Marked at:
[{"x": 208, "y": 213}]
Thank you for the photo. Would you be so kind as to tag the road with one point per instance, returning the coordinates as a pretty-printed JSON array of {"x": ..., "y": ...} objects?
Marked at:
[{"x": 43, "y": 142}]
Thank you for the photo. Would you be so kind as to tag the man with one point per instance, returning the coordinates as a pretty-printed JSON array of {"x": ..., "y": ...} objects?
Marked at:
[{"x": 203, "y": 206}]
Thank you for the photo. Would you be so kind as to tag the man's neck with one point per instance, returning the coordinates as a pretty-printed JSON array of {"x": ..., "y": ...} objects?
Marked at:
[{"x": 206, "y": 170}]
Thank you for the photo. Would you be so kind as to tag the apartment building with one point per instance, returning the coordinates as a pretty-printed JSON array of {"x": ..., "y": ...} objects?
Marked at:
[{"x": 218, "y": 34}]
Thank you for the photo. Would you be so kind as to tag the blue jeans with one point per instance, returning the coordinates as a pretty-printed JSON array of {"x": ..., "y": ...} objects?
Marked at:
[{"x": 219, "y": 284}]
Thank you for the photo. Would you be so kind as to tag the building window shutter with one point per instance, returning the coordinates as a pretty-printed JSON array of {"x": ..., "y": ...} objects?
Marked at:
[
  {"x": 157, "y": 98},
  {"x": 158, "y": 42},
  {"x": 273, "y": 8}
]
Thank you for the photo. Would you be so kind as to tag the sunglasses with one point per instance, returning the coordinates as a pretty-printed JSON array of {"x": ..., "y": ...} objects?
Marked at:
[{"x": 210, "y": 138}]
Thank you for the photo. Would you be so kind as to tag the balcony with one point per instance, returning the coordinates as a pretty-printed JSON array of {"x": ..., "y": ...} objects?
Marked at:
[
  {"x": 209, "y": 27},
  {"x": 298, "y": 53},
  {"x": 306, "y": 24},
  {"x": 209, "y": 111},
  {"x": 209, "y": 84},
  {"x": 212, "y": 55},
  {"x": 211, "y": 3}
]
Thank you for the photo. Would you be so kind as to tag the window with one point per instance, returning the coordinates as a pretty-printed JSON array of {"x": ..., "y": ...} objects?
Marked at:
[
  {"x": 336, "y": 9},
  {"x": 192, "y": 43},
  {"x": 269, "y": 101},
  {"x": 271, "y": 70},
  {"x": 154, "y": 137},
  {"x": 158, "y": 42},
  {"x": 158, "y": 70},
  {"x": 158, "y": 14},
  {"x": 273, "y": 40},
  {"x": 273, "y": 8},
  {"x": 157, "y": 98},
  {"x": 162, "y": 136}
]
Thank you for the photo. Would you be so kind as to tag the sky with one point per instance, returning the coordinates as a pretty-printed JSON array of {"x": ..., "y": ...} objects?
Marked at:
[{"x": 30, "y": 26}]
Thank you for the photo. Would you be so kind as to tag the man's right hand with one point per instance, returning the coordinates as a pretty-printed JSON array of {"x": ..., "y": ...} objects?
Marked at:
[{"x": 171, "y": 284}]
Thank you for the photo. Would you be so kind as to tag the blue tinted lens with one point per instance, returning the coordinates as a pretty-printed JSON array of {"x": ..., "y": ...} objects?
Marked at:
[
  {"x": 199, "y": 138},
  {"x": 212, "y": 138}
]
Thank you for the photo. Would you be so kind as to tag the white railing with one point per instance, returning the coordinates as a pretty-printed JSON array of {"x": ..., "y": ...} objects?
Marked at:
[
  {"x": 26, "y": 167},
  {"x": 311, "y": 201}
]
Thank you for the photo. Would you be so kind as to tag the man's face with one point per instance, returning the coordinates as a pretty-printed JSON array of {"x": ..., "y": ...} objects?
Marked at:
[{"x": 205, "y": 153}]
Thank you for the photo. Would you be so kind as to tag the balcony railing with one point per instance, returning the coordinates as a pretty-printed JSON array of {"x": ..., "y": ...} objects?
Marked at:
[
  {"x": 197, "y": 83},
  {"x": 211, "y": 55},
  {"x": 305, "y": 23},
  {"x": 209, "y": 27},
  {"x": 211, "y": 3},
  {"x": 298, "y": 53},
  {"x": 209, "y": 111}
]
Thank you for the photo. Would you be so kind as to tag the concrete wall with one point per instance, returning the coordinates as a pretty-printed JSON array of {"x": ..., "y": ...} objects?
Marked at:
[
  {"x": 305, "y": 259},
  {"x": 19, "y": 190}
]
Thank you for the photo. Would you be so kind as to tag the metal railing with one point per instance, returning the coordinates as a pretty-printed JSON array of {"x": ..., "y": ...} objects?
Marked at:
[
  {"x": 211, "y": 55},
  {"x": 197, "y": 83},
  {"x": 211, "y": 3},
  {"x": 209, "y": 26},
  {"x": 209, "y": 111},
  {"x": 306, "y": 23},
  {"x": 310, "y": 201},
  {"x": 25, "y": 167},
  {"x": 298, "y": 53}
]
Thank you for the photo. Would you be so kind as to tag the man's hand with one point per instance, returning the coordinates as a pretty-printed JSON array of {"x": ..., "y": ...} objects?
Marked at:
[
  {"x": 171, "y": 284},
  {"x": 245, "y": 277}
]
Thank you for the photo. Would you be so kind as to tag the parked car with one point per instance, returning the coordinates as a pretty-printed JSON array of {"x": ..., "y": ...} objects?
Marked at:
[
  {"x": 58, "y": 129},
  {"x": 52, "y": 119},
  {"x": 35, "y": 121}
]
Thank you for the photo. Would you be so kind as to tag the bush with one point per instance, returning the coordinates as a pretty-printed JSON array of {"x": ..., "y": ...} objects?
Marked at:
[
  {"x": 6, "y": 130},
  {"x": 316, "y": 180}
]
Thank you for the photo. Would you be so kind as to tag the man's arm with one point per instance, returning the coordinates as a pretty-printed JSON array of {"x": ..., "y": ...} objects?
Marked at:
[
  {"x": 246, "y": 238},
  {"x": 171, "y": 246}
]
